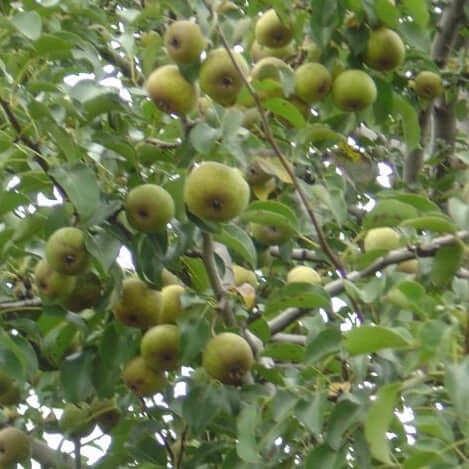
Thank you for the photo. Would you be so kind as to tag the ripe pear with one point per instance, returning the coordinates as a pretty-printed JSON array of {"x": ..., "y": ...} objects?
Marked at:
[
  {"x": 408, "y": 267},
  {"x": 242, "y": 275},
  {"x": 160, "y": 347},
  {"x": 170, "y": 91},
  {"x": 149, "y": 208},
  {"x": 259, "y": 52},
  {"x": 172, "y": 308},
  {"x": 184, "y": 42},
  {"x": 66, "y": 251},
  {"x": 381, "y": 238},
  {"x": 270, "y": 235},
  {"x": 142, "y": 380},
  {"x": 76, "y": 422},
  {"x": 86, "y": 293},
  {"x": 312, "y": 82},
  {"x": 354, "y": 90},
  {"x": 216, "y": 192},
  {"x": 270, "y": 31},
  {"x": 137, "y": 305},
  {"x": 385, "y": 49},
  {"x": 15, "y": 447},
  {"x": 303, "y": 274},
  {"x": 428, "y": 85},
  {"x": 50, "y": 283},
  {"x": 219, "y": 78},
  {"x": 227, "y": 357}
]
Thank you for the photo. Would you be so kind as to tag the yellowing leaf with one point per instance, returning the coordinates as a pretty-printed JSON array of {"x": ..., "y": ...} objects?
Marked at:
[
  {"x": 262, "y": 191},
  {"x": 248, "y": 294}
]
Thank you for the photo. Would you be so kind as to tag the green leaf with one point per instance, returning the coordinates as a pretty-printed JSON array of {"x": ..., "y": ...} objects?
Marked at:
[
  {"x": 297, "y": 295},
  {"x": 10, "y": 200},
  {"x": 198, "y": 273},
  {"x": 410, "y": 121},
  {"x": 440, "y": 224},
  {"x": 457, "y": 387},
  {"x": 285, "y": 352},
  {"x": 246, "y": 446},
  {"x": 387, "y": 13},
  {"x": 344, "y": 415},
  {"x": 75, "y": 376},
  {"x": 204, "y": 138},
  {"x": 389, "y": 212},
  {"x": 459, "y": 212},
  {"x": 379, "y": 419},
  {"x": 195, "y": 332},
  {"x": 311, "y": 412},
  {"x": 418, "y": 10},
  {"x": 326, "y": 342},
  {"x": 271, "y": 212},
  {"x": 421, "y": 203},
  {"x": 104, "y": 247},
  {"x": 283, "y": 108},
  {"x": 323, "y": 457},
  {"x": 236, "y": 239},
  {"x": 370, "y": 339},
  {"x": 447, "y": 261},
  {"x": 28, "y": 23}
]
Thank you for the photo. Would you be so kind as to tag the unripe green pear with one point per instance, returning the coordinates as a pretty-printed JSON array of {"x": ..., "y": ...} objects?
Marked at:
[
  {"x": 184, "y": 42},
  {"x": 354, "y": 90},
  {"x": 142, "y": 380},
  {"x": 242, "y": 275},
  {"x": 15, "y": 447},
  {"x": 381, "y": 238},
  {"x": 259, "y": 52},
  {"x": 172, "y": 308},
  {"x": 312, "y": 82},
  {"x": 66, "y": 251},
  {"x": 385, "y": 49},
  {"x": 50, "y": 283},
  {"x": 255, "y": 172},
  {"x": 271, "y": 32},
  {"x": 160, "y": 347},
  {"x": 106, "y": 413},
  {"x": 270, "y": 235},
  {"x": 219, "y": 78},
  {"x": 216, "y": 192},
  {"x": 137, "y": 305},
  {"x": 428, "y": 85},
  {"x": 170, "y": 91},
  {"x": 86, "y": 293},
  {"x": 270, "y": 68},
  {"x": 408, "y": 267},
  {"x": 227, "y": 357},
  {"x": 149, "y": 208},
  {"x": 76, "y": 422},
  {"x": 10, "y": 393},
  {"x": 303, "y": 274}
]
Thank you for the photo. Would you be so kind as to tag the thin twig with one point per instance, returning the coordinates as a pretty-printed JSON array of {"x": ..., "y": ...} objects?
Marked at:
[
  {"x": 22, "y": 304},
  {"x": 77, "y": 451},
  {"x": 181, "y": 449}
]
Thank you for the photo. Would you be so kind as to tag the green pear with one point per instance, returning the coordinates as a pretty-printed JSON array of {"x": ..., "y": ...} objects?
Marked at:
[
  {"x": 50, "y": 283},
  {"x": 428, "y": 85},
  {"x": 219, "y": 78},
  {"x": 385, "y": 49},
  {"x": 66, "y": 251},
  {"x": 270, "y": 31},
  {"x": 12, "y": 396},
  {"x": 15, "y": 447},
  {"x": 227, "y": 357},
  {"x": 259, "y": 52},
  {"x": 270, "y": 235},
  {"x": 142, "y": 380},
  {"x": 137, "y": 305},
  {"x": 184, "y": 42},
  {"x": 312, "y": 82},
  {"x": 85, "y": 294},
  {"x": 160, "y": 347},
  {"x": 354, "y": 90},
  {"x": 172, "y": 308},
  {"x": 76, "y": 422},
  {"x": 168, "y": 278},
  {"x": 242, "y": 275},
  {"x": 216, "y": 192},
  {"x": 255, "y": 172},
  {"x": 170, "y": 91},
  {"x": 408, "y": 267},
  {"x": 381, "y": 238},
  {"x": 303, "y": 274},
  {"x": 270, "y": 68},
  {"x": 149, "y": 208},
  {"x": 106, "y": 413}
]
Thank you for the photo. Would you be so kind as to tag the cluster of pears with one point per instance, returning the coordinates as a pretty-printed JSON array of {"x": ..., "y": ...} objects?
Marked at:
[
  {"x": 15, "y": 447},
  {"x": 63, "y": 275}
]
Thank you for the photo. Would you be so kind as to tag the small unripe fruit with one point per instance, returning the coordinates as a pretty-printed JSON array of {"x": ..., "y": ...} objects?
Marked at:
[
  {"x": 270, "y": 235},
  {"x": 381, "y": 238},
  {"x": 172, "y": 308},
  {"x": 385, "y": 50},
  {"x": 312, "y": 82},
  {"x": 303, "y": 274},
  {"x": 408, "y": 267},
  {"x": 184, "y": 42},
  {"x": 50, "y": 283},
  {"x": 76, "y": 422},
  {"x": 259, "y": 52},
  {"x": 86, "y": 293},
  {"x": 160, "y": 347},
  {"x": 428, "y": 85},
  {"x": 270, "y": 31},
  {"x": 354, "y": 90},
  {"x": 15, "y": 447},
  {"x": 142, "y": 380}
]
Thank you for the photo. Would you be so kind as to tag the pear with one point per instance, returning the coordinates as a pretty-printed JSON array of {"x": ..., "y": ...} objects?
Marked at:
[
  {"x": 303, "y": 274},
  {"x": 270, "y": 31},
  {"x": 312, "y": 82},
  {"x": 216, "y": 192},
  {"x": 408, "y": 267},
  {"x": 270, "y": 68},
  {"x": 15, "y": 447},
  {"x": 385, "y": 49},
  {"x": 168, "y": 278},
  {"x": 76, "y": 422},
  {"x": 255, "y": 173},
  {"x": 381, "y": 238},
  {"x": 184, "y": 42},
  {"x": 242, "y": 275},
  {"x": 105, "y": 413},
  {"x": 86, "y": 293},
  {"x": 219, "y": 78},
  {"x": 142, "y": 380},
  {"x": 172, "y": 308},
  {"x": 50, "y": 283},
  {"x": 160, "y": 347},
  {"x": 428, "y": 85},
  {"x": 11, "y": 397},
  {"x": 270, "y": 235},
  {"x": 66, "y": 251},
  {"x": 259, "y": 52},
  {"x": 170, "y": 91},
  {"x": 354, "y": 90},
  {"x": 137, "y": 305},
  {"x": 149, "y": 208},
  {"x": 227, "y": 357}
]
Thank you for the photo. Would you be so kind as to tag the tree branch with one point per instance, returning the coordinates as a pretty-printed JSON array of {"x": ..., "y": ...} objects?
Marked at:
[
  {"x": 336, "y": 287},
  {"x": 49, "y": 457},
  {"x": 22, "y": 304}
]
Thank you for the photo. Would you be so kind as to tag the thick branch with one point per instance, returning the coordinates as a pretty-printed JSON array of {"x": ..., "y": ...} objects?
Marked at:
[{"x": 336, "y": 287}]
